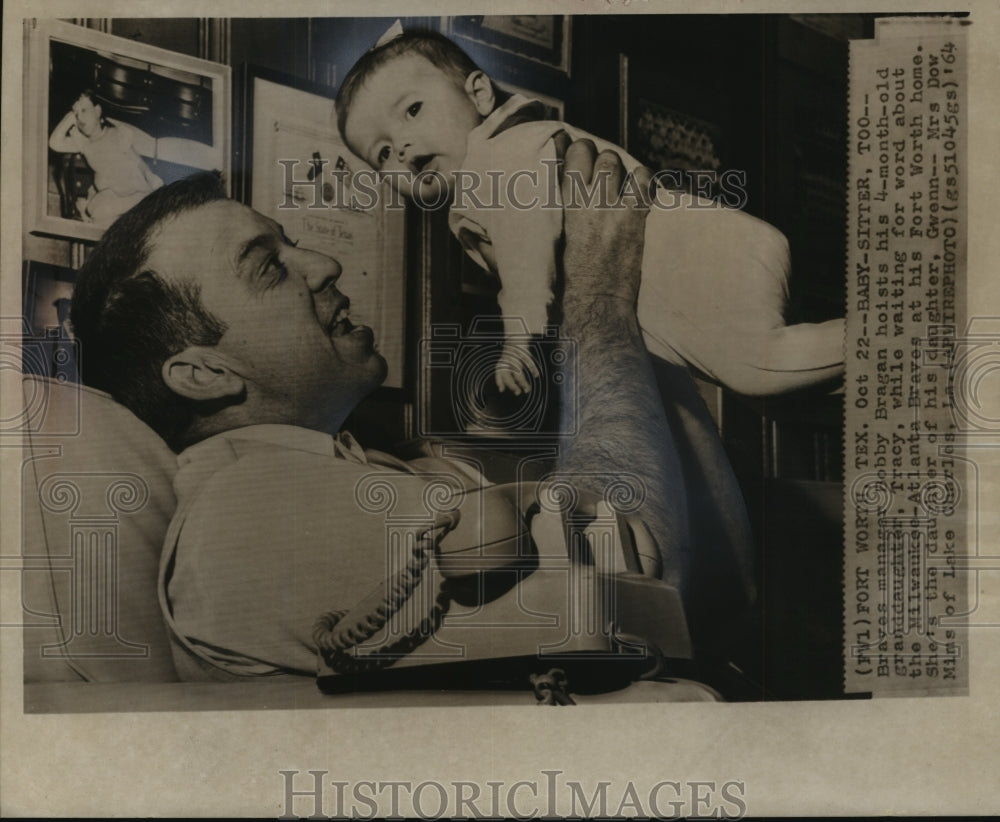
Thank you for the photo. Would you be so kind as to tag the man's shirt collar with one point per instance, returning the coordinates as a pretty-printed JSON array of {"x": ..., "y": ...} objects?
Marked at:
[{"x": 293, "y": 437}]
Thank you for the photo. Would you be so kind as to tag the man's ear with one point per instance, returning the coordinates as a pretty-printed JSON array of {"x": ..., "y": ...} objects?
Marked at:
[
  {"x": 201, "y": 373},
  {"x": 479, "y": 87}
]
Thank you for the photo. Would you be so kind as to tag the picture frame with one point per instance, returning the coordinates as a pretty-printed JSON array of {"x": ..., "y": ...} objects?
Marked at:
[
  {"x": 555, "y": 109},
  {"x": 48, "y": 345},
  {"x": 144, "y": 115},
  {"x": 544, "y": 39},
  {"x": 670, "y": 126},
  {"x": 290, "y": 150}
]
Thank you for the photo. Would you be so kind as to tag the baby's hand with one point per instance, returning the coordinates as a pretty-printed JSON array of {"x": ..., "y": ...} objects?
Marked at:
[{"x": 513, "y": 367}]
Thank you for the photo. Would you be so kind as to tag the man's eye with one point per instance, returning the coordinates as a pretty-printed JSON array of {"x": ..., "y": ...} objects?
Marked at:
[
  {"x": 414, "y": 109},
  {"x": 275, "y": 271},
  {"x": 383, "y": 155}
]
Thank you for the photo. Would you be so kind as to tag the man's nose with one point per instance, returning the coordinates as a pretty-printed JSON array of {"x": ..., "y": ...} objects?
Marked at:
[{"x": 318, "y": 270}]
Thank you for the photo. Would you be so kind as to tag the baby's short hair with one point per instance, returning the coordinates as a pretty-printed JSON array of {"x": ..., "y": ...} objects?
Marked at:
[{"x": 435, "y": 47}]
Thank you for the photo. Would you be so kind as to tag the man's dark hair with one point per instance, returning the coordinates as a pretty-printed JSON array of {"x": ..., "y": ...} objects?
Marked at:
[
  {"x": 129, "y": 320},
  {"x": 435, "y": 47}
]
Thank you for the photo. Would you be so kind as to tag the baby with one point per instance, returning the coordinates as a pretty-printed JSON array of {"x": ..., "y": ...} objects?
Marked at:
[{"x": 714, "y": 279}]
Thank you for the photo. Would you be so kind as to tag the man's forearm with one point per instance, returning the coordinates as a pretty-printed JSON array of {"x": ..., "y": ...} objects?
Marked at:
[
  {"x": 621, "y": 428},
  {"x": 620, "y": 423}
]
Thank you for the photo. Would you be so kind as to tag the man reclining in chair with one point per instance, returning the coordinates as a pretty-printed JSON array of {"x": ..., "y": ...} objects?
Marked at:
[{"x": 234, "y": 345}]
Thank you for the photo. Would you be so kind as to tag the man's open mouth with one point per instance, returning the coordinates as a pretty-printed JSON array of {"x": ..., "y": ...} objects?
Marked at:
[{"x": 340, "y": 322}]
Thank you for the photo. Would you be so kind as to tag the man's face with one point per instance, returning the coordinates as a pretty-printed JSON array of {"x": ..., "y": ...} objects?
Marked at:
[
  {"x": 411, "y": 116},
  {"x": 88, "y": 116},
  {"x": 288, "y": 336}
]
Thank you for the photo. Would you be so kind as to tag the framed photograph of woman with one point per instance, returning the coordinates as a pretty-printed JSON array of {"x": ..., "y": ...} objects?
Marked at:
[{"x": 107, "y": 120}]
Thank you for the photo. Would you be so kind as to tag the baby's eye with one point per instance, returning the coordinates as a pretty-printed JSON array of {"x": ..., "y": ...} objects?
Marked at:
[
  {"x": 414, "y": 109},
  {"x": 383, "y": 155}
]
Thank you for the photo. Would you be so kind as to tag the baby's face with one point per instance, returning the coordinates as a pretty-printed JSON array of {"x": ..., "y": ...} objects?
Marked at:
[{"x": 411, "y": 116}]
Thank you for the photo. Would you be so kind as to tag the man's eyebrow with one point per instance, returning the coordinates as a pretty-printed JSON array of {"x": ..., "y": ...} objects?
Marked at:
[{"x": 265, "y": 241}]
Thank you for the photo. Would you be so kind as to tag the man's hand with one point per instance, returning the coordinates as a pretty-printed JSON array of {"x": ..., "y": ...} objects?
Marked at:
[{"x": 603, "y": 254}]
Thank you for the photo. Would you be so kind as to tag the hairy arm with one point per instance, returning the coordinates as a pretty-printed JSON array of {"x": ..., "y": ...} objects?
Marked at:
[{"x": 621, "y": 426}]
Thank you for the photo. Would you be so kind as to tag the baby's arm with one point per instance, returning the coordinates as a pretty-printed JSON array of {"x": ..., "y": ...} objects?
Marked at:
[
  {"x": 527, "y": 274},
  {"x": 525, "y": 236}
]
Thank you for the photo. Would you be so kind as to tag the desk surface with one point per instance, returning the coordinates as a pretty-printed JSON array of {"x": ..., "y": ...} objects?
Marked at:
[{"x": 303, "y": 694}]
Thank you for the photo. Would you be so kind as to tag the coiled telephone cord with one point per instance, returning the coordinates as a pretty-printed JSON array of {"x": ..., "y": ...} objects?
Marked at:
[{"x": 335, "y": 638}]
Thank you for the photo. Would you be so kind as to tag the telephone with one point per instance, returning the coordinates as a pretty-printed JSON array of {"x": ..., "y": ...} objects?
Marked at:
[{"x": 527, "y": 577}]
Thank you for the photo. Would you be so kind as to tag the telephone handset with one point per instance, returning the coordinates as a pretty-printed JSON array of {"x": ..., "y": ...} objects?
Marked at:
[{"x": 521, "y": 580}]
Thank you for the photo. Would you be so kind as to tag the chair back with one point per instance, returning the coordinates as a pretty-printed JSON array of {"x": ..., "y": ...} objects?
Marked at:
[{"x": 97, "y": 497}]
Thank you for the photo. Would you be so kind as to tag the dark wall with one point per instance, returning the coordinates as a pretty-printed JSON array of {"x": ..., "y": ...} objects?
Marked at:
[{"x": 708, "y": 66}]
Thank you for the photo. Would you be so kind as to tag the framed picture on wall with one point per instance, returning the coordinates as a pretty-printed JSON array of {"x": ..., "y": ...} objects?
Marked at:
[
  {"x": 539, "y": 38},
  {"x": 298, "y": 171},
  {"x": 555, "y": 109},
  {"x": 672, "y": 126},
  {"x": 48, "y": 347},
  {"x": 107, "y": 120}
]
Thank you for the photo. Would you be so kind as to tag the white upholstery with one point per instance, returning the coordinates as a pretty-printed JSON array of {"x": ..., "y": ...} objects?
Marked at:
[{"x": 96, "y": 500}]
